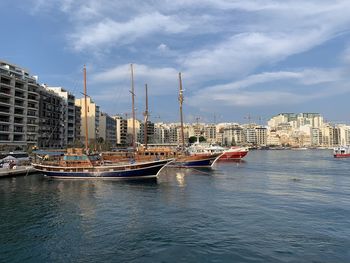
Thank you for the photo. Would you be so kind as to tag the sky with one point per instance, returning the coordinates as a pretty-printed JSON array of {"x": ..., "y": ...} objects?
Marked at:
[{"x": 240, "y": 60}]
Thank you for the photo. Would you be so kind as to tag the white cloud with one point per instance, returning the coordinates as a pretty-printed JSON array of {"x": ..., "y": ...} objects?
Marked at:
[
  {"x": 212, "y": 41},
  {"x": 160, "y": 80},
  {"x": 345, "y": 56},
  {"x": 239, "y": 93},
  {"x": 162, "y": 47},
  {"x": 109, "y": 32}
]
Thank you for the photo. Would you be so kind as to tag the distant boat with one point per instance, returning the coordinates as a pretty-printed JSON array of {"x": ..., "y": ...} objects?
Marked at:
[{"x": 341, "y": 151}]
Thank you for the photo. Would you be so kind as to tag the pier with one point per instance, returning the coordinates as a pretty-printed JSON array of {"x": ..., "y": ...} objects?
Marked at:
[{"x": 18, "y": 171}]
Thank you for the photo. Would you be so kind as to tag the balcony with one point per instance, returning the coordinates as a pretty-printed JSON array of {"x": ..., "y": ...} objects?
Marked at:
[
  {"x": 31, "y": 130},
  {"x": 4, "y": 109},
  {"x": 19, "y": 95},
  {"x": 19, "y": 103},
  {"x": 33, "y": 98},
  {"x": 5, "y": 101},
  {"x": 18, "y": 121},
  {"x": 6, "y": 92},
  {"x": 19, "y": 86},
  {"x": 32, "y": 122},
  {"x": 4, "y": 128},
  {"x": 18, "y": 130},
  {"x": 4, "y": 137},
  {"x": 18, "y": 138},
  {"x": 32, "y": 105},
  {"x": 5, "y": 81}
]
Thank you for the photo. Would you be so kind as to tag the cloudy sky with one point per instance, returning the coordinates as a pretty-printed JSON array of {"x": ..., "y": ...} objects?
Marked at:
[{"x": 238, "y": 58}]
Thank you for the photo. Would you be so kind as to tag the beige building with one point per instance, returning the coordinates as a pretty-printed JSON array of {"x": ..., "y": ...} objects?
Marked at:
[
  {"x": 93, "y": 117},
  {"x": 107, "y": 129}
]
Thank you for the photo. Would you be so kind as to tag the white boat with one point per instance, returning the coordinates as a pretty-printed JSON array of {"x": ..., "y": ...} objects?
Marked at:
[{"x": 341, "y": 151}]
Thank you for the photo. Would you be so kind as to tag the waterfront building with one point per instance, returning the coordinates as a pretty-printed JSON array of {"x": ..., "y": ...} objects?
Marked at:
[
  {"x": 174, "y": 134},
  {"x": 273, "y": 139},
  {"x": 250, "y": 136},
  {"x": 107, "y": 129},
  {"x": 261, "y": 136},
  {"x": 233, "y": 135},
  {"x": 210, "y": 133},
  {"x": 296, "y": 120},
  {"x": 77, "y": 125},
  {"x": 159, "y": 133},
  {"x": 344, "y": 134},
  {"x": 150, "y": 132},
  {"x": 130, "y": 130},
  {"x": 121, "y": 130},
  {"x": 19, "y": 108},
  {"x": 93, "y": 119},
  {"x": 52, "y": 116},
  {"x": 70, "y": 122},
  {"x": 316, "y": 137}
]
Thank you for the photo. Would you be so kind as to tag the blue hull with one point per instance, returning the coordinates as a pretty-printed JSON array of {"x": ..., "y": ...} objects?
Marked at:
[
  {"x": 147, "y": 170},
  {"x": 195, "y": 163}
]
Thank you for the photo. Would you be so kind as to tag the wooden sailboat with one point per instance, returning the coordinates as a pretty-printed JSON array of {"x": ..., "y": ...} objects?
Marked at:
[
  {"x": 77, "y": 165},
  {"x": 192, "y": 157}
]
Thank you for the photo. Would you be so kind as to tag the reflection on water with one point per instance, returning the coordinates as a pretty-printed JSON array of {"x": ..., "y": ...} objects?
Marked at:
[
  {"x": 180, "y": 177},
  {"x": 285, "y": 206}
]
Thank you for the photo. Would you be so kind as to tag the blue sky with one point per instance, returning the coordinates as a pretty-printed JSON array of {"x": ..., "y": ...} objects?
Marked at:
[{"x": 237, "y": 58}]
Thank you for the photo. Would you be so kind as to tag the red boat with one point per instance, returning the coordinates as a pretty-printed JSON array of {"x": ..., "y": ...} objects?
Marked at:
[
  {"x": 234, "y": 153},
  {"x": 341, "y": 152}
]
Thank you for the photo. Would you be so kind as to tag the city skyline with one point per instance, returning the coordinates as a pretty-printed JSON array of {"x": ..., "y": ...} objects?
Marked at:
[{"x": 237, "y": 58}]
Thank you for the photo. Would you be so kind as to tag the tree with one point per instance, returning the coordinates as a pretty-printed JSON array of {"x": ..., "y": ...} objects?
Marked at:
[{"x": 193, "y": 139}]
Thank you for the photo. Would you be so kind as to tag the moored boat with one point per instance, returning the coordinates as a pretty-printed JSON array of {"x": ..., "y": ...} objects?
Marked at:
[
  {"x": 234, "y": 153},
  {"x": 195, "y": 155},
  {"x": 76, "y": 165},
  {"x": 196, "y": 160},
  {"x": 341, "y": 151}
]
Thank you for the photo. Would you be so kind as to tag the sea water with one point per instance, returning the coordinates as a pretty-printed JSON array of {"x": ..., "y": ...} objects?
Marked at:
[{"x": 273, "y": 206}]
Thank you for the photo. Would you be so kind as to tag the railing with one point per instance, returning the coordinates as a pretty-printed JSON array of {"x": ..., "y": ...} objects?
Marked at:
[
  {"x": 18, "y": 129},
  {"x": 19, "y": 95},
  {"x": 5, "y": 110},
  {"x": 5, "y": 91},
  {"x": 4, "y": 128}
]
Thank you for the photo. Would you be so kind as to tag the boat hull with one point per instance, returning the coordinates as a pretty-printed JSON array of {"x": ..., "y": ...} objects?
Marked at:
[
  {"x": 345, "y": 155},
  {"x": 233, "y": 155},
  {"x": 196, "y": 161},
  {"x": 132, "y": 171}
]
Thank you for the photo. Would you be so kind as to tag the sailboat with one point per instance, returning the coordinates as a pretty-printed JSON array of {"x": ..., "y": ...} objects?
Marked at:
[
  {"x": 192, "y": 156},
  {"x": 76, "y": 164}
]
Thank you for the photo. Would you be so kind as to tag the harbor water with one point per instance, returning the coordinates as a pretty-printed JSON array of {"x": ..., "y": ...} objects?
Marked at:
[{"x": 275, "y": 206}]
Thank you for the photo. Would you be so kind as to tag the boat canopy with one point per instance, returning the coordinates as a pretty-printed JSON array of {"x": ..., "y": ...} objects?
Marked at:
[{"x": 75, "y": 158}]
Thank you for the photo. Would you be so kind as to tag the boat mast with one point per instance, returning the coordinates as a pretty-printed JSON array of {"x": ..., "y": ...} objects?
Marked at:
[
  {"x": 181, "y": 99},
  {"x": 146, "y": 117},
  {"x": 133, "y": 108},
  {"x": 198, "y": 130},
  {"x": 86, "y": 113}
]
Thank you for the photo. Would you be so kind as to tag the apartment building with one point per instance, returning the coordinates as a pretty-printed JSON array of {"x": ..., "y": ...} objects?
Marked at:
[
  {"x": 77, "y": 126},
  {"x": 93, "y": 119},
  {"x": 70, "y": 117},
  {"x": 19, "y": 108},
  {"x": 52, "y": 116},
  {"x": 107, "y": 129},
  {"x": 121, "y": 130}
]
